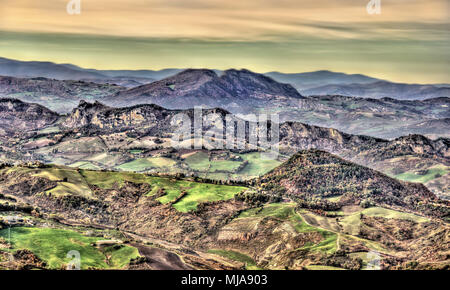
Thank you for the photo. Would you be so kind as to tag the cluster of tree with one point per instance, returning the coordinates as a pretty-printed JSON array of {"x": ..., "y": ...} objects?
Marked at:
[
  {"x": 254, "y": 198},
  {"x": 317, "y": 204}
]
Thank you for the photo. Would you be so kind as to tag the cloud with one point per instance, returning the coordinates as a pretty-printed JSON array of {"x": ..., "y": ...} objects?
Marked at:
[{"x": 407, "y": 42}]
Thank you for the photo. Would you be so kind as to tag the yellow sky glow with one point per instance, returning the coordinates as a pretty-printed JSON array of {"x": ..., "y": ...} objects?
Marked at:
[{"x": 287, "y": 24}]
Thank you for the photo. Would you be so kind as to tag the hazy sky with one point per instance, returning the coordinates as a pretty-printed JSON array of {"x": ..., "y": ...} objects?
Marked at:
[{"x": 409, "y": 41}]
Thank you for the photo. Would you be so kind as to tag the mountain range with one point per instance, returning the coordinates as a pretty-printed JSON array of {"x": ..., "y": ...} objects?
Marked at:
[
  {"x": 321, "y": 82},
  {"x": 244, "y": 92}
]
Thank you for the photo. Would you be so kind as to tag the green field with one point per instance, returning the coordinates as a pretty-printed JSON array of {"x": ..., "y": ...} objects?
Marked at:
[
  {"x": 278, "y": 210},
  {"x": 144, "y": 164},
  {"x": 200, "y": 162},
  {"x": 392, "y": 214},
  {"x": 49, "y": 130},
  {"x": 196, "y": 193},
  {"x": 52, "y": 246},
  {"x": 256, "y": 165},
  {"x": 432, "y": 173}
]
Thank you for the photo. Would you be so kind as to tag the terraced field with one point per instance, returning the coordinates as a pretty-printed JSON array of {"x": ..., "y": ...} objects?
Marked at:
[
  {"x": 289, "y": 224},
  {"x": 195, "y": 192},
  {"x": 429, "y": 174},
  {"x": 228, "y": 169},
  {"x": 144, "y": 164}
]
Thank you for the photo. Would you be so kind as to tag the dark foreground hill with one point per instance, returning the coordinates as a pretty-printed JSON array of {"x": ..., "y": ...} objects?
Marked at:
[
  {"x": 313, "y": 176},
  {"x": 270, "y": 225}
]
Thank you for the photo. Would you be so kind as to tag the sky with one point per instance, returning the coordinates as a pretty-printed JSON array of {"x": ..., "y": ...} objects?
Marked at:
[{"x": 408, "y": 41}]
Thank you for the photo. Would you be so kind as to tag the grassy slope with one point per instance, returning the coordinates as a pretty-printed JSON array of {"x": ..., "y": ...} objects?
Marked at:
[
  {"x": 351, "y": 223},
  {"x": 256, "y": 165},
  {"x": 250, "y": 264},
  {"x": 75, "y": 184},
  {"x": 52, "y": 246},
  {"x": 431, "y": 174}
]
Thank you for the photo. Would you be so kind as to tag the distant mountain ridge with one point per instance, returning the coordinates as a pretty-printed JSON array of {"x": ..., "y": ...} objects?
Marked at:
[
  {"x": 58, "y": 95},
  {"x": 381, "y": 89},
  {"x": 308, "y": 80},
  {"x": 322, "y": 82}
]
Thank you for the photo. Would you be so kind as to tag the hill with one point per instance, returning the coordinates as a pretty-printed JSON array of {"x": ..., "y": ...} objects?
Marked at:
[{"x": 313, "y": 176}]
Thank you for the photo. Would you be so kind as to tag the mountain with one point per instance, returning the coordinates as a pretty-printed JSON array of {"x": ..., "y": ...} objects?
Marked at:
[
  {"x": 39, "y": 69},
  {"x": 381, "y": 89},
  {"x": 202, "y": 87},
  {"x": 58, "y": 95},
  {"x": 309, "y": 80},
  {"x": 241, "y": 92},
  {"x": 295, "y": 136},
  {"x": 126, "y": 82},
  {"x": 119, "y": 173},
  {"x": 321, "y": 82},
  {"x": 136, "y": 118}
]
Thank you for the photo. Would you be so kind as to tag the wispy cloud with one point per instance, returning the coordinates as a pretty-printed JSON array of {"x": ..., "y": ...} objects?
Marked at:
[{"x": 408, "y": 42}]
